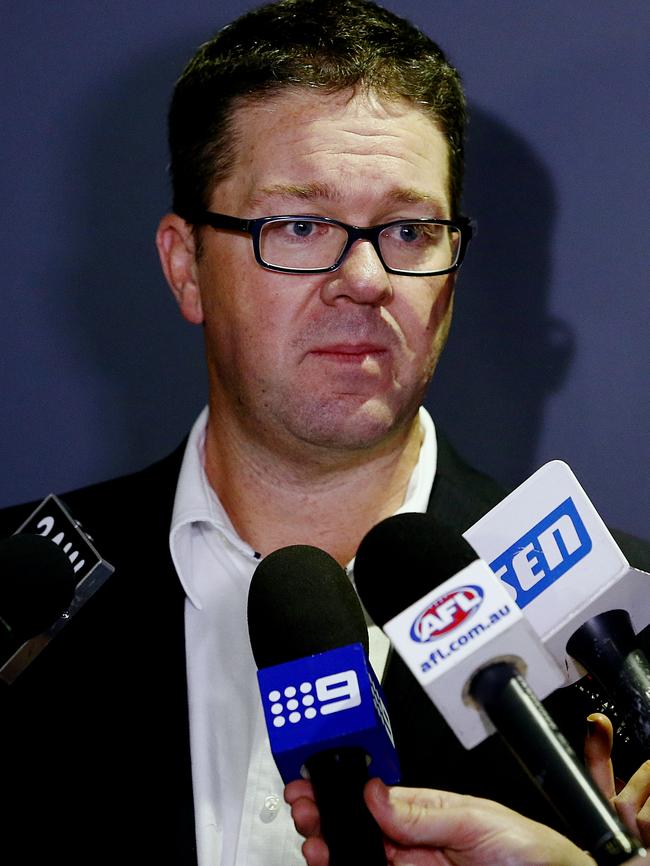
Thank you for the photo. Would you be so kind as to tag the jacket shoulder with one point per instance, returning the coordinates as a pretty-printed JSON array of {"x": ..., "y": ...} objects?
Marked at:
[
  {"x": 460, "y": 494},
  {"x": 135, "y": 497}
]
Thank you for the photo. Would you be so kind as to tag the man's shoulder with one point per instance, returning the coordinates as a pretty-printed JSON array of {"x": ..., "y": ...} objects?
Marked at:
[
  {"x": 141, "y": 498},
  {"x": 461, "y": 494},
  {"x": 109, "y": 692}
]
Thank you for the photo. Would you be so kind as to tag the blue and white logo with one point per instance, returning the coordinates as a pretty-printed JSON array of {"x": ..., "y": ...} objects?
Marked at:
[
  {"x": 544, "y": 553},
  {"x": 326, "y": 695}
]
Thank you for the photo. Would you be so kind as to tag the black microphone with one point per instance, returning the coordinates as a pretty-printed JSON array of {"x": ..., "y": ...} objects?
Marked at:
[
  {"x": 37, "y": 583},
  {"x": 606, "y": 647},
  {"x": 425, "y": 585},
  {"x": 322, "y": 704},
  {"x": 49, "y": 569}
]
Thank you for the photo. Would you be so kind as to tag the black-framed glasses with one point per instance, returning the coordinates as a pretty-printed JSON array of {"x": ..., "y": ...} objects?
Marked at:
[{"x": 304, "y": 244}]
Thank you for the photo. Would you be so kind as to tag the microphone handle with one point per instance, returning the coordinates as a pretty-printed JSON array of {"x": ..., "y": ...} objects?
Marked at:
[
  {"x": 352, "y": 834},
  {"x": 546, "y": 755},
  {"x": 606, "y": 647}
]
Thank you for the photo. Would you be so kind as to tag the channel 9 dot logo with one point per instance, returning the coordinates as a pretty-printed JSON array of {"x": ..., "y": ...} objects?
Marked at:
[
  {"x": 292, "y": 704},
  {"x": 330, "y": 694}
]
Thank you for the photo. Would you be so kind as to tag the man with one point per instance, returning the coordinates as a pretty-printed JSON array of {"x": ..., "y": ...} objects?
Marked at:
[{"x": 315, "y": 235}]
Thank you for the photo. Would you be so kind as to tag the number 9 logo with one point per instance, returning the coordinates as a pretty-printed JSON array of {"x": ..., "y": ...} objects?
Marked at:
[{"x": 340, "y": 691}]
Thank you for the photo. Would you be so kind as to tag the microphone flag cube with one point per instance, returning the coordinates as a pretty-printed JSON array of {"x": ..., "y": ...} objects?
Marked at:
[
  {"x": 550, "y": 549},
  {"x": 331, "y": 700},
  {"x": 460, "y": 626}
]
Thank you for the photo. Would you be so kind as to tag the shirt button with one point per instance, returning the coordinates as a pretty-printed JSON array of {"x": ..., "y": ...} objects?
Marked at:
[{"x": 270, "y": 809}]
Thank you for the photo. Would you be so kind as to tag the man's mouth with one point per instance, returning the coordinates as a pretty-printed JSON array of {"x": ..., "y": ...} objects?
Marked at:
[{"x": 349, "y": 351}]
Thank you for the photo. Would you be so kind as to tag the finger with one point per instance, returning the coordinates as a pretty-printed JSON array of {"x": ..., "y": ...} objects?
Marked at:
[
  {"x": 632, "y": 803},
  {"x": 643, "y": 823},
  {"x": 413, "y": 816},
  {"x": 306, "y": 817},
  {"x": 598, "y": 750},
  {"x": 299, "y": 794},
  {"x": 298, "y": 788},
  {"x": 315, "y": 852}
]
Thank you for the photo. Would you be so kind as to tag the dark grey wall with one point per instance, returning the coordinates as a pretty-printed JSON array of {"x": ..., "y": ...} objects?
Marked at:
[{"x": 549, "y": 354}]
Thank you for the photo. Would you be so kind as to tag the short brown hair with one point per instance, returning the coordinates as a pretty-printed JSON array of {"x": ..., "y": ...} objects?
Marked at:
[{"x": 334, "y": 45}]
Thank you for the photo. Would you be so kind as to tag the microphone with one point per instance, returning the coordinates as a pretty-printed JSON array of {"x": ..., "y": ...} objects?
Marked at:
[
  {"x": 469, "y": 646},
  {"x": 49, "y": 569},
  {"x": 559, "y": 562},
  {"x": 37, "y": 583},
  {"x": 322, "y": 703},
  {"x": 605, "y": 646}
]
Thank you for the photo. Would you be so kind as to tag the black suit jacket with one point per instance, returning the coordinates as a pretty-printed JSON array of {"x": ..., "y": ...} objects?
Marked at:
[{"x": 96, "y": 750}]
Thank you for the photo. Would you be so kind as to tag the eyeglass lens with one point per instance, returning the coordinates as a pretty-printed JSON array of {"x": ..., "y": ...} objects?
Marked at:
[{"x": 310, "y": 244}]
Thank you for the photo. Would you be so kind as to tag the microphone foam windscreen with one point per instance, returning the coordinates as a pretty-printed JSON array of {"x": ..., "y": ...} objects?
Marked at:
[
  {"x": 37, "y": 583},
  {"x": 301, "y": 602},
  {"x": 404, "y": 557}
]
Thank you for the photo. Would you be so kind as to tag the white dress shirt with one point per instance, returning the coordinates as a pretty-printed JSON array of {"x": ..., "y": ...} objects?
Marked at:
[{"x": 241, "y": 817}]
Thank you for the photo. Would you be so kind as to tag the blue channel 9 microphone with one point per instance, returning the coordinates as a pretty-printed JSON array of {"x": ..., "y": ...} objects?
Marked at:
[
  {"x": 558, "y": 561},
  {"x": 322, "y": 703},
  {"x": 469, "y": 646}
]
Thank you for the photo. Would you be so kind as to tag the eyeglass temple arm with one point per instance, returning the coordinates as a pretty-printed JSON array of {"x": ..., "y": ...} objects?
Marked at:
[{"x": 216, "y": 220}]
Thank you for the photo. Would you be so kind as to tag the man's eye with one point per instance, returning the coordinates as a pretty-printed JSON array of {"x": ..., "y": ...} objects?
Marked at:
[
  {"x": 420, "y": 233},
  {"x": 301, "y": 229},
  {"x": 410, "y": 233}
]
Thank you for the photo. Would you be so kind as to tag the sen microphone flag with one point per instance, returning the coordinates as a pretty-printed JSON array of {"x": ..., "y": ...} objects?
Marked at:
[
  {"x": 330, "y": 700},
  {"x": 555, "y": 557}
]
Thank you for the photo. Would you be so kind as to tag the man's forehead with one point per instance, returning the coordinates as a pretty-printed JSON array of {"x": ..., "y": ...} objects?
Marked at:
[
  {"x": 355, "y": 104},
  {"x": 368, "y": 131}
]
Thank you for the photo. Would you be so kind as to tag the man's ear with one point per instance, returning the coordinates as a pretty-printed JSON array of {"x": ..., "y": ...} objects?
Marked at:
[{"x": 177, "y": 250}]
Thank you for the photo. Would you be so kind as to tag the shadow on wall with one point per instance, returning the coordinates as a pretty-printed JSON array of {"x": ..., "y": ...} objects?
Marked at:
[{"x": 506, "y": 353}]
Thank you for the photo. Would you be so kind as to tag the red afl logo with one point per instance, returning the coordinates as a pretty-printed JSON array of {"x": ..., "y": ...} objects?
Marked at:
[{"x": 446, "y": 613}]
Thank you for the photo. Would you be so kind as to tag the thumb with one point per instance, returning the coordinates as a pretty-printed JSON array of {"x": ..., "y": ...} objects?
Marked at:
[{"x": 414, "y": 817}]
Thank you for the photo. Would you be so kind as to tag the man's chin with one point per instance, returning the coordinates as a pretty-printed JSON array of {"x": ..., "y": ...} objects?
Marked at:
[{"x": 342, "y": 427}]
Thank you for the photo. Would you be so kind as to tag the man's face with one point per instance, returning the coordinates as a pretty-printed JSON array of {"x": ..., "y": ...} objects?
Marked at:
[{"x": 337, "y": 360}]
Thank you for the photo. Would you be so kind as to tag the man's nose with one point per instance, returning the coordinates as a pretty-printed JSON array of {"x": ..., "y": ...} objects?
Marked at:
[{"x": 360, "y": 278}]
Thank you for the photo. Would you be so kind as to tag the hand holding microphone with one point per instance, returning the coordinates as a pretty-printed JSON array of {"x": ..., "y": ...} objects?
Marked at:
[
  {"x": 435, "y": 827},
  {"x": 322, "y": 703}
]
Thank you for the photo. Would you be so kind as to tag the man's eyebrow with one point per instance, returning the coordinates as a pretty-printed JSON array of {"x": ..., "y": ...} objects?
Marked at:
[
  {"x": 312, "y": 190},
  {"x": 415, "y": 196},
  {"x": 320, "y": 191}
]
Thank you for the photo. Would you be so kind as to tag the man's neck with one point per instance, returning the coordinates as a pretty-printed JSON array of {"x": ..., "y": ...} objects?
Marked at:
[{"x": 274, "y": 500}]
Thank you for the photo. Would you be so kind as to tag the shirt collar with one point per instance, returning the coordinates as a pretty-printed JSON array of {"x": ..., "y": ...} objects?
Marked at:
[
  {"x": 421, "y": 480},
  {"x": 197, "y": 503}
]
